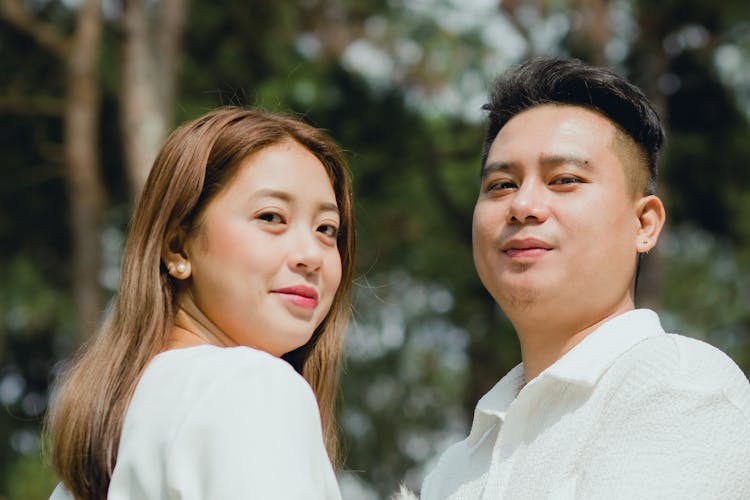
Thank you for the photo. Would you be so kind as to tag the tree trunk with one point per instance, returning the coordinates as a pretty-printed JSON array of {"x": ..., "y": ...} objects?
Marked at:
[
  {"x": 143, "y": 126},
  {"x": 593, "y": 33},
  {"x": 149, "y": 66},
  {"x": 85, "y": 186},
  {"x": 169, "y": 47}
]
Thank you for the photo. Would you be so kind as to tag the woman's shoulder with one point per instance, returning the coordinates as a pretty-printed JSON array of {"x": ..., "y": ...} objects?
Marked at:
[
  {"x": 191, "y": 386},
  {"x": 60, "y": 493},
  {"x": 210, "y": 356},
  {"x": 182, "y": 380},
  {"x": 226, "y": 409},
  {"x": 210, "y": 365}
]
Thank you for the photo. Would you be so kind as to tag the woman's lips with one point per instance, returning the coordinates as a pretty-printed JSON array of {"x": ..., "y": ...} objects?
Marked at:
[{"x": 300, "y": 295}]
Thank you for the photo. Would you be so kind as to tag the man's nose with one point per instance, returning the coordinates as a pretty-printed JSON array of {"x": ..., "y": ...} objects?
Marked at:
[{"x": 530, "y": 203}]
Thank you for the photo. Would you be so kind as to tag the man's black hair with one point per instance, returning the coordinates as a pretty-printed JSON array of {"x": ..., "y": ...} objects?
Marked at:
[{"x": 571, "y": 82}]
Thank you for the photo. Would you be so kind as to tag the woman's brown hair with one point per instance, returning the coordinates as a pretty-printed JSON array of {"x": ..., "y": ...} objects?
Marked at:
[{"x": 197, "y": 161}]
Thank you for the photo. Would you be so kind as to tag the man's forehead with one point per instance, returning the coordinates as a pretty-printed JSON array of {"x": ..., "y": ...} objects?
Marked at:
[
  {"x": 540, "y": 125},
  {"x": 543, "y": 160}
]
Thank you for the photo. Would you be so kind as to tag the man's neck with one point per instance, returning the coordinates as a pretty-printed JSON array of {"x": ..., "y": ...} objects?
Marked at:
[
  {"x": 544, "y": 342},
  {"x": 540, "y": 350}
]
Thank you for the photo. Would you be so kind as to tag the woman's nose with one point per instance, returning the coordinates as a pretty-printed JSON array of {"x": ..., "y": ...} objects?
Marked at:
[{"x": 306, "y": 253}]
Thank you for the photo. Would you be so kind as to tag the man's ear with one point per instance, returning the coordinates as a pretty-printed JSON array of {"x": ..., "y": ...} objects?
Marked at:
[
  {"x": 173, "y": 254},
  {"x": 651, "y": 218}
]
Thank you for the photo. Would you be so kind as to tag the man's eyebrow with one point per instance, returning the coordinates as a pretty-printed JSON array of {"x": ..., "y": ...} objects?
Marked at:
[
  {"x": 545, "y": 160},
  {"x": 495, "y": 166},
  {"x": 553, "y": 160}
]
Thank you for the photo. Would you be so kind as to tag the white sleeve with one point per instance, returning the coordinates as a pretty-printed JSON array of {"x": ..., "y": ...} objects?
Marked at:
[
  {"x": 60, "y": 493},
  {"x": 250, "y": 438}
]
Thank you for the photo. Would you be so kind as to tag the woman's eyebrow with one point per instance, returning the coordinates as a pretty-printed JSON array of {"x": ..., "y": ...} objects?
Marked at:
[
  {"x": 328, "y": 207},
  {"x": 272, "y": 193},
  {"x": 287, "y": 197}
]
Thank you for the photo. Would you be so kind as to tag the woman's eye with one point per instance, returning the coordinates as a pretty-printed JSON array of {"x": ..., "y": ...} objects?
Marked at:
[
  {"x": 329, "y": 230},
  {"x": 271, "y": 217}
]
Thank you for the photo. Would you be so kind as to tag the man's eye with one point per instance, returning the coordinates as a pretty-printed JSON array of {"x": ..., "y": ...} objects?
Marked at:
[
  {"x": 500, "y": 185},
  {"x": 567, "y": 180}
]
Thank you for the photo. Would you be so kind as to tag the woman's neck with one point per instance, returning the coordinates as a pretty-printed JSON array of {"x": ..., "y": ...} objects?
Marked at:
[{"x": 192, "y": 328}]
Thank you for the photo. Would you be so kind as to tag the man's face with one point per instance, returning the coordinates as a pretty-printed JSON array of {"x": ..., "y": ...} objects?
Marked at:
[{"x": 556, "y": 226}]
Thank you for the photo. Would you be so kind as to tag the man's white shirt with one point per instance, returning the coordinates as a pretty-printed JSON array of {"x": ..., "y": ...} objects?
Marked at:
[{"x": 630, "y": 412}]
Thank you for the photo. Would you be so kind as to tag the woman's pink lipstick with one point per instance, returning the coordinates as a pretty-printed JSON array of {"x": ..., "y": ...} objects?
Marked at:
[{"x": 302, "y": 296}]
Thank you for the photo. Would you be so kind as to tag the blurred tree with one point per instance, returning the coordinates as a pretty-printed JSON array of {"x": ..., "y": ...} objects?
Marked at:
[
  {"x": 151, "y": 48},
  {"x": 694, "y": 56},
  {"x": 78, "y": 52}
]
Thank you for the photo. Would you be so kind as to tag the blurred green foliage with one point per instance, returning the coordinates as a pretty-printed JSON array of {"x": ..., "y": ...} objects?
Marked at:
[{"x": 29, "y": 477}]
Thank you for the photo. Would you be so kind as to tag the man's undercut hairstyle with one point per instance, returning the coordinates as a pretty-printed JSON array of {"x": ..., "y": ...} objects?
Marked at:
[{"x": 571, "y": 82}]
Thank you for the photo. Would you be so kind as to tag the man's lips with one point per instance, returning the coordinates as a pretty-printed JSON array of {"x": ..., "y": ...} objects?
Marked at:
[
  {"x": 525, "y": 247},
  {"x": 299, "y": 295}
]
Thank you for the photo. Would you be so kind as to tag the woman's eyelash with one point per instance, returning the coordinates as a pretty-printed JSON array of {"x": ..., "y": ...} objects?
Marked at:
[
  {"x": 270, "y": 217},
  {"x": 329, "y": 230}
]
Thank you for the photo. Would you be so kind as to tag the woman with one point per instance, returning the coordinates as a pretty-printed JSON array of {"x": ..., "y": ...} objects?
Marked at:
[{"x": 239, "y": 254}]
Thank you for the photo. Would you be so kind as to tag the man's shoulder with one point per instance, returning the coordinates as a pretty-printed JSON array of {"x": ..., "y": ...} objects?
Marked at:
[
  {"x": 681, "y": 355},
  {"x": 679, "y": 365}
]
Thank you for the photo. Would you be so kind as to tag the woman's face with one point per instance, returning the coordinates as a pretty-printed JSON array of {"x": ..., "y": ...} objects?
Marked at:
[{"x": 264, "y": 261}]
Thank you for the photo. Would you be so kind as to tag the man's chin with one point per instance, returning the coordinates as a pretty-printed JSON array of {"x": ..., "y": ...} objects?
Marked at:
[{"x": 518, "y": 298}]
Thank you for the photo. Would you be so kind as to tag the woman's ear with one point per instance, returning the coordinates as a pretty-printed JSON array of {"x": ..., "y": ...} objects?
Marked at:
[
  {"x": 173, "y": 254},
  {"x": 651, "y": 217}
]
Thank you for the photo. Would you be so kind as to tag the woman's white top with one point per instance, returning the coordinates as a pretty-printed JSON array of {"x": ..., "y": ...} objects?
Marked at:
[{"x": 221, "y": 423}]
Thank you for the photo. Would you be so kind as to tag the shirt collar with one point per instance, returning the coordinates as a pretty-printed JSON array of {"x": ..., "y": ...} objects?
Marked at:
[
  {"x": 587, "y": 361},
  {"x": 582, "y": 365},
  {"x": 493, "y": 405}
]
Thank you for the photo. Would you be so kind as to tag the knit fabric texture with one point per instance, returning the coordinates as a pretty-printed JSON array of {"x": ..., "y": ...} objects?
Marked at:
[{"x": 631, "y": 412}]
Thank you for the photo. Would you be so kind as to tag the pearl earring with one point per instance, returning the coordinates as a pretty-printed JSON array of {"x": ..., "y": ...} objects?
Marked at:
[{"x": 181, "y": 268}]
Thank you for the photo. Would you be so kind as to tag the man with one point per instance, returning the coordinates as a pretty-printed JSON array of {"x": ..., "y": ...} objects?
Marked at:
[{"x": 605, "y": 404}]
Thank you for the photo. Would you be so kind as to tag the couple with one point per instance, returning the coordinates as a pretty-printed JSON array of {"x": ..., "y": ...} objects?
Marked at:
[{"x": 240, "y": 254}]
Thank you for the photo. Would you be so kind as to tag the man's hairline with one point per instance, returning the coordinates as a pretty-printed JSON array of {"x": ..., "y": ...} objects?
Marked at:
[{"x": 620, "y": 137}]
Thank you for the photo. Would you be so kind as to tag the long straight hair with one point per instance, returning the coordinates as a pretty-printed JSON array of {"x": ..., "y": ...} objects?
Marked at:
[{"x": 198, "y": 160}]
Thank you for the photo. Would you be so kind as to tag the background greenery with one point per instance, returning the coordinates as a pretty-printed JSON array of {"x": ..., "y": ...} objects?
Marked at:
[{"x": 400, "y": 85}]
